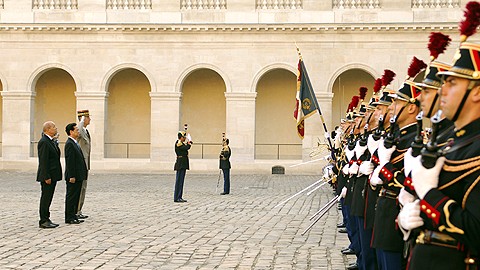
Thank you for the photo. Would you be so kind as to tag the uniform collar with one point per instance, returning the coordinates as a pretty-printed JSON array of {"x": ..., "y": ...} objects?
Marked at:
[{"x": 468, "y": 130}]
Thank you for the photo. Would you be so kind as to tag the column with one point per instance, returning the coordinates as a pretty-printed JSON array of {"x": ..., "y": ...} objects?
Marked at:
[
  {"x": 17, "y": 125},
  {"x": 165, "y": 124},
  {"x": 96, "y": 103},
  {"x": 241, "y": 125}
]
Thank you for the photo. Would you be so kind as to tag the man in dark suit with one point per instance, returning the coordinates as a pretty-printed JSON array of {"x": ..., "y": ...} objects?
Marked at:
[
  {"x": 181, "y": 165},
  {"x": 225, "y": 166},
  {"x": 75, "y": 173},
  {"x": 48, "y": 173}
]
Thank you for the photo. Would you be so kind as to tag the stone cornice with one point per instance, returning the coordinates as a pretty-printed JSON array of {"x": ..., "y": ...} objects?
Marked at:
[
  {"x": 91, "y": 95},
  {"x": 166, "y": 95},
  {"x": 230, "y": 96},
  {"x": 219, "y": 28},
  {"x": 17, "y": 94}
]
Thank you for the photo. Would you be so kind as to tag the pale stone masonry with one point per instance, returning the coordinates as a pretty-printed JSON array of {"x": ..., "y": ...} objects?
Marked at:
[{"x": 145, "y": 67}]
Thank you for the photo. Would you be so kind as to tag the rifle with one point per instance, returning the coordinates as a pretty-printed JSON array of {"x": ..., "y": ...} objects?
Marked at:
[
  {"x": 430, "y": 153},
  {"x": 417, "y": 144}
]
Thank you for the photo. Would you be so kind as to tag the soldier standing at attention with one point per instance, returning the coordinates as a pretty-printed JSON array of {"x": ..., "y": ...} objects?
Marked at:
[
  {"x": 84, "y": 141},
  {"x": 448, "y": 188},
  {"x": 225, "y": 166},
  {"x": 181, "y": 165}
]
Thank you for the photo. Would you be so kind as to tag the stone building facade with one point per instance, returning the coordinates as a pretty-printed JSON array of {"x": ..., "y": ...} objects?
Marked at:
[{"x": 145, "y": 67}]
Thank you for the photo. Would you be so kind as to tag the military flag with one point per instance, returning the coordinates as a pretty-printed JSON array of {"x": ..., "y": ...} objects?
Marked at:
[{"x": 306, "y": 102}]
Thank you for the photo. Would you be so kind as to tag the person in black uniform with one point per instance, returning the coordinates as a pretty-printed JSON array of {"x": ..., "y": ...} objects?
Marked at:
[
  {"x": 181, "y": 165},
  {"x": 48, "y": 173},
  {"x": 75, "y": 173},
  {"x": 386, "y": 239},
  {"x": 225, "y": 166},
  {"x": 448, "y": 188}
]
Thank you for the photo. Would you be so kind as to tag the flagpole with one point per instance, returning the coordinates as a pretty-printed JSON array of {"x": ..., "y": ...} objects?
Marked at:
[{"x": 310, "y": 89}]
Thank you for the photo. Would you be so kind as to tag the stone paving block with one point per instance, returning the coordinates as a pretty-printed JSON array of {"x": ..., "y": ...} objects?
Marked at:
[{"x": 134, "y": 224}]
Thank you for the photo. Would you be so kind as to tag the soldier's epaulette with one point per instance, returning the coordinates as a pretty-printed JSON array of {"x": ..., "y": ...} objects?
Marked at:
[
  {"x": 397, "y": 158},
  {"x": 470, "y": 165},
  {"x": 179, "y": 143}
]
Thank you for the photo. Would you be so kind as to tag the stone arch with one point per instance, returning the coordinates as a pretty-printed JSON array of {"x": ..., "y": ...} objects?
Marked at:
[
  {"x": 266, "y": 69},
  {"x": 128, "y": 88},
  {"x": 3, "y": 82},
  {"x": 345, "y": 83},
  {"x": 191, "y": 69},
  {"x": 275, "y": 88},
  {"x": 114, "y": 70},
  {"x": 39, "y": 71},
  {"x": 350, "y": 66}
]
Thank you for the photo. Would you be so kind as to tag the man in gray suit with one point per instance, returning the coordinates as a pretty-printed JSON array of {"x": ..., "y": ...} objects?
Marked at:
[{"x": 85, "y": 144}]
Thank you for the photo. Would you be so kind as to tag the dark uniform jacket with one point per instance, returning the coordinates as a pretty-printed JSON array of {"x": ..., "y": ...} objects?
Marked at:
[
  {"x": 49, "y": 166},
  {"x": 74, "y": 162},
  {"x": 385, "y": 234},
  {"x": 453, "y": 208},
  {"x": 358, "y": 193},
  {"x": 181, "y": 150},
  {"x": 225, "y": 157}
]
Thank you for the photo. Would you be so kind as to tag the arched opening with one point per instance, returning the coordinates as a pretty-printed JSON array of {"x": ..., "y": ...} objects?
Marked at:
[
  {"x": 54, "y": 101},
  {"x": 127, "y": 127},
  {"x": 203, "y": 108},
  {"x": 345, "y": 87},
  {"x": 275, "y": 128}
]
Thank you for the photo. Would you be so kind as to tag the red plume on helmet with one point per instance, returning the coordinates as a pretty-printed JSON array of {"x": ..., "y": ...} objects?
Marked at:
[
  {"x": 353, "y": 104},
  {"x": 469, "y": 26},
  {"x": 387, "y": 77},
  {"x": 362, "y": 92},
  {"x": 377, "y": 86},
  {"x": 437, "y": 44},
  {"x": 415, "y": 67}
]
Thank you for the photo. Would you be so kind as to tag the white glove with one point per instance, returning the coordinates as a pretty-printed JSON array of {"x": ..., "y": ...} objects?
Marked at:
[
  {"x": 366, "y": 168},
  {"x": 344, "y": 192},
  {"x": 425, "y": 179},
  {"x": 405, "y": 197},
  {"x": 375, "y": 179},
  {"x": 349, "y": 153},
  {"x": 409, "y": 217},
  {"x": 337, "y": 143},
  {"x": 326, "y": 135},
  {"x": 345, "y": 169},
  {"x": 353, "y": 168},
  {"x": 407, "y": 162},
  {"x": 82, "y": 119},
  {"x": 359, "y": 150},
  {"x": 384, "y": 153},
  {"x": 372, "y": 144}
]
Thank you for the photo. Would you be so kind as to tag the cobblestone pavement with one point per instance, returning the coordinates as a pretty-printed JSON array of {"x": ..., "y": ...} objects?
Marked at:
[{"x": 134, "y": 224}]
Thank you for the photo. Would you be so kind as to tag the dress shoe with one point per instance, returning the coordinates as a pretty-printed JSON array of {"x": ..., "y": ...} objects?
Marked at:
[
  {"x": 183, "y": 200},
  {"x": 342, "y": 230},
  {"x": 180, "y": 200},
  {"x": 223, "y": 193},
  {"x": 81, "y": 216},
  {"x": 75, "y": 221},
  {"x": 47, "y": 225},
  {"x": 54, "y": 224},
  {"x": 348, "y": 251},
  {"x": 352, "y": 266},
  {"x": 341, "y": 225}
]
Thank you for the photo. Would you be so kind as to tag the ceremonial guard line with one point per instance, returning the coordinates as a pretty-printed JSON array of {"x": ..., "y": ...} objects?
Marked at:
[{"x": 410, "y": 193}]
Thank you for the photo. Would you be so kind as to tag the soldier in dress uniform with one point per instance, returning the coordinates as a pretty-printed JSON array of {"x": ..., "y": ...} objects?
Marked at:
[
  {"x": 448, "y": 187},
  {"x": 181, "y": 165},
  {"x": 367, "y": 254},
  {"x": 225, "y": 166},
  {"x": 386, "y": 239},
  {"x": 345, "y": 183}
]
